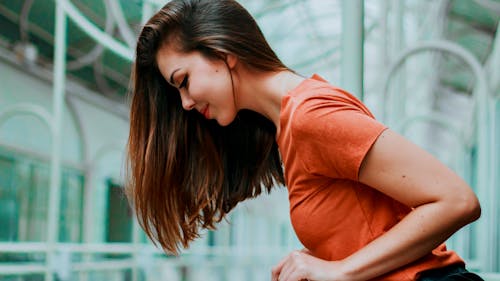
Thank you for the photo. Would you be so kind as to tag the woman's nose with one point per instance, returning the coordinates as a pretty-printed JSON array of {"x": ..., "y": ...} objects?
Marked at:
[{"x": 187, "y": 102}]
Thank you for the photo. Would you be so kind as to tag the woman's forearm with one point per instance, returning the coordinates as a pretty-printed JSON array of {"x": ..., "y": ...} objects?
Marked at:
[{"x": 416, "y": 235}]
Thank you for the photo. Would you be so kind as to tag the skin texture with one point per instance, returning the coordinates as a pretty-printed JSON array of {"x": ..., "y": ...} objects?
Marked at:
[
  {"x": 442, "y": 201},
  {"x": 225, "y": 86},
  {"x": 204, "y": 84}
]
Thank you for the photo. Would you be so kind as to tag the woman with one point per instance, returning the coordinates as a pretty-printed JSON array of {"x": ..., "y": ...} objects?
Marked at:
[{"x": 214, "y": 116}]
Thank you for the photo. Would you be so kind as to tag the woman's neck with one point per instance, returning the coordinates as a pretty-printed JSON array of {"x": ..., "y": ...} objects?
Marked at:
[{"x": 262, "y": 92}]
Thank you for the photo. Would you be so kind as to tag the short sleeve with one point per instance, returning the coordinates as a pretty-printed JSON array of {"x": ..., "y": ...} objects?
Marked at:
[{"x": 333, "y": 135}]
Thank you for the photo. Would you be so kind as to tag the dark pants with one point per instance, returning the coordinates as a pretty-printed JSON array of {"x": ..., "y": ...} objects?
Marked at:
[{"x": 449, "y": 273}]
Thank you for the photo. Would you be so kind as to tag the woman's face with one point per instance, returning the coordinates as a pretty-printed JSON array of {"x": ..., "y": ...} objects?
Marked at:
[{"x": 204, "y": 84}]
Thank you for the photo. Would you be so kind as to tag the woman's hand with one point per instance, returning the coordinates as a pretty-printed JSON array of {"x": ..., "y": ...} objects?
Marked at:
[{"x": 301, "y": 265}]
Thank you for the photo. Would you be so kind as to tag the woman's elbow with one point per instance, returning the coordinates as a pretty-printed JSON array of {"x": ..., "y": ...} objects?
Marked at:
[
  {"x": 475, "y": 212},
  {"x": 468, "y": 208}
]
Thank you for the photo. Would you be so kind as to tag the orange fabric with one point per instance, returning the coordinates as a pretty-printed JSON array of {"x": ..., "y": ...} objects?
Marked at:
[{"x": 325, "y": 134}]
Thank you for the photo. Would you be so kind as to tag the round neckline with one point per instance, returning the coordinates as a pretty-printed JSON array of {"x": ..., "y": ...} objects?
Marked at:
[{"x": 289, "y": 94}]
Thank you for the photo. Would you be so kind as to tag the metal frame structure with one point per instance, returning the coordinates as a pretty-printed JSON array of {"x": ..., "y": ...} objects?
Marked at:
[
  {"x": 486, "y": 149},
  {"x": 352, "y": 79}
]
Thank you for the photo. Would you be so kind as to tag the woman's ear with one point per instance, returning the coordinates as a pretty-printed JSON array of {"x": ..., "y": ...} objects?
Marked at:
[{"x": 231, "y": 60}]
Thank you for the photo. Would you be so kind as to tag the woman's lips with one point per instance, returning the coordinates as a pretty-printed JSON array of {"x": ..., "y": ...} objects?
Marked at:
[{"x": 205, "y": 112}]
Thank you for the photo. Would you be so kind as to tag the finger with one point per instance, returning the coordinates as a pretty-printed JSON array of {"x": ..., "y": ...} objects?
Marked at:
[
  {"x": 292, "y": 272},
  {"x": 281, "y": 262},
  {"x": 276, "y": 270},
  {"x": 293, "y": 269},
  {"x": 275, "y": 275},
  {"x": 306, "y": 251},
  {"x": 287, "y": 269},
  {"x": 285, "y": 272}
]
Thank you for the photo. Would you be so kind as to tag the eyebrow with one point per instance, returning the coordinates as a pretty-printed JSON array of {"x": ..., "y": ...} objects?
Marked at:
[{"x": 172, "y": 76}]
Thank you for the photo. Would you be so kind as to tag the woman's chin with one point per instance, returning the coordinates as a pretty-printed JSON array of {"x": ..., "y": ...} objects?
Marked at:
[{"x": 225, "y": 121}]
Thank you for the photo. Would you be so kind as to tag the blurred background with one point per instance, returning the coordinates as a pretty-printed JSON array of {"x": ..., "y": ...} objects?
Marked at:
[{"x": 429, "y": 69}]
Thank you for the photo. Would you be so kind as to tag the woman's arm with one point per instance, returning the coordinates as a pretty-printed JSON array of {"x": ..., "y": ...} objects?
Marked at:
[{"x": 442, "y": 202}]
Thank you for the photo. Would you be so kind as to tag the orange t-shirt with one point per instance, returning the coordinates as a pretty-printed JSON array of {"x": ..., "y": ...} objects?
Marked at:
[{"x": 325, "y": 134}]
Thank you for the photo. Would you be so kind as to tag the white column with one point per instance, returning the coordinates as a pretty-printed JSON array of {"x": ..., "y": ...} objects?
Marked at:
[
  {"x": 352, "y": 46},
  {"x": 55, "y": 165}
]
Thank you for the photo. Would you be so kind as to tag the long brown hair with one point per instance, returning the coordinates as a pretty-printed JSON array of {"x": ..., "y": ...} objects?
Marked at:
[{"x": 185, "y": 172}]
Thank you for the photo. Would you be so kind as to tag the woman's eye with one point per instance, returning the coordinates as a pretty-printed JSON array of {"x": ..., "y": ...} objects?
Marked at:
[{"x": 184, "y": 82}]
